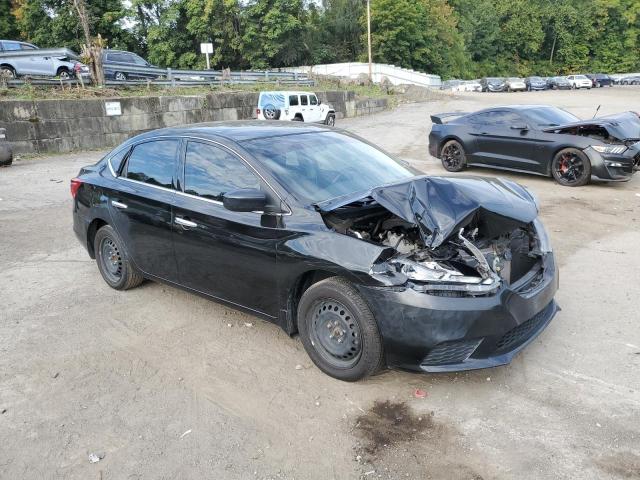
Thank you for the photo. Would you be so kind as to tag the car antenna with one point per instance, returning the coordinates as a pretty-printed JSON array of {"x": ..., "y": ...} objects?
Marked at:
[{"x": 597, "y": 110}]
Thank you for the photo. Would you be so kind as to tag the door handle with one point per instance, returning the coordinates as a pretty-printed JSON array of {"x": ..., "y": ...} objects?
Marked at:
[
  {"x": 118, "y": 204},
  {"x": 185, "y": 223}
]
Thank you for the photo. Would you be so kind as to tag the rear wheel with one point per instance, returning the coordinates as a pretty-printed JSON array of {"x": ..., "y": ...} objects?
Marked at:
[
  {"x": 571, "y": 167},
  {"x": 113, "y": 262},
  {"x": 453, "y": 157},
  {"x": 120, "y": 77},
  {"x": 338, "y": 330},
  {"x": 270, "y": 112}
]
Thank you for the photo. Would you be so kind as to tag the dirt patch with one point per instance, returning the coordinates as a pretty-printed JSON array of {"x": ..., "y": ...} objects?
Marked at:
[
  {"x": 623, "y": 465},
  {"x": 389, "y": 423}
]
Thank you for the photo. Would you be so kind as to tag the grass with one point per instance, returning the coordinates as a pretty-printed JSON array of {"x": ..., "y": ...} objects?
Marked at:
[{"x": 31, "y": 92}]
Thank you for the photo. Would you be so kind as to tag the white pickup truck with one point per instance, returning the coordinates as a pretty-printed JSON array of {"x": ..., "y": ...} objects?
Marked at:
[{"x": 295, "y": 107}]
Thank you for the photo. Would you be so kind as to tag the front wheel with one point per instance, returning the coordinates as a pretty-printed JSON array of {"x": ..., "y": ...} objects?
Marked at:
[
  {"x": 338, "y": 330},
  {"x": 453, "y": 157},
  {"x": 8, "y": 72},
  {"x": 64, "y": 74},
  {"x": 120, "y": 77},
  {"x": 113, "y": 262},
  {"x": 330, "y": 120},
  {"x": 570, "y": 167}
]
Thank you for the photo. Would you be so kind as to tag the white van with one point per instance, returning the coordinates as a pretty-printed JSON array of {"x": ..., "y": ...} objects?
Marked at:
[{"x": 294, "y": 107}]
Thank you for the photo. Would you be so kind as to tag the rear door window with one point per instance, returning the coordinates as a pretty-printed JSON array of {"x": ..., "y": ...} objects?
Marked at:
[
  {"x": 304, "y": 100},
  {"x": 153, "y": 163},
  {"x": 211, "y": 171},
  {"x": 293, "y": 100}
]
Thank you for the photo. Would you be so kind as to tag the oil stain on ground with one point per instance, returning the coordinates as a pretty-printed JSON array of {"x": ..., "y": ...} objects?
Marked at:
[{"x": 389, "y": 423}]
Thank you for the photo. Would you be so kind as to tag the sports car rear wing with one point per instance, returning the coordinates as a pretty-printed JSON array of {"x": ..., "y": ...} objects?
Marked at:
[{"x": 441, "y": 116}]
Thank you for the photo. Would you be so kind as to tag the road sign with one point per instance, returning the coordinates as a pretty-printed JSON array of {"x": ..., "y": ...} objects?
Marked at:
[{"x": 206, "y": 48}]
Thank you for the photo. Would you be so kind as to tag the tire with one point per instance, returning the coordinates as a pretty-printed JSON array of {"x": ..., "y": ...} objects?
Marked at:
[
  {"x": 117, "y": 270},
  {"x": 453, "y": 156},
  {"x": 64, "y": 74},
  {"x": 270, "y": 112},
  {"x": 570, "y": 167},
  {"x": 8, "y": 72},
  {"x": 598, "y": 85},
  {"x": 297, "y": 118},
  {"x": 330, "y": 120},
  {"x": 338, "y": 330},
  {"x": 120, "y": 77}
]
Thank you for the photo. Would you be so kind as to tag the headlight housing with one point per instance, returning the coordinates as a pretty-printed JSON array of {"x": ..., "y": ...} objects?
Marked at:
[{"x": 616, "y": 149}]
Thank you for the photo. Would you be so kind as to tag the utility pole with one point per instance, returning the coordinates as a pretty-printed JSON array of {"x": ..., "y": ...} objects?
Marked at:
[{"x": 369, "y": 38}]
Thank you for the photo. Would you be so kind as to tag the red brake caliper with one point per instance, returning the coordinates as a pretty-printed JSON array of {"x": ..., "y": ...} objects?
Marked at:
[{"x": 564, "y": 165}]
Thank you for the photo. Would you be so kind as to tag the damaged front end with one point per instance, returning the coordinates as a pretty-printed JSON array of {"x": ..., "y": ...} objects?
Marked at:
[{"x": 442, "y": 237}]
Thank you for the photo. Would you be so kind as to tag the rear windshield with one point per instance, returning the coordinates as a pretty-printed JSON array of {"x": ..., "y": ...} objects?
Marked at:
[{"x": 271, "y": 99}]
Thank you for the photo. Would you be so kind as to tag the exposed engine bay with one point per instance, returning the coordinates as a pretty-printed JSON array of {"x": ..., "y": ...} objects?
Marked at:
[{"x": 474, "y": 260}]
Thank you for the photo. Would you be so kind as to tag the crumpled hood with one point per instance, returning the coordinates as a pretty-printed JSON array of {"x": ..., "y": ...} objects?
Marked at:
[
  {"x": 623, "y": 126},
  {"x": 442, "y": 205}
]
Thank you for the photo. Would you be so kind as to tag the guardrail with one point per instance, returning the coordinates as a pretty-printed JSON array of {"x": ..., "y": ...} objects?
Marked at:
[{"x": 174, "y": 78}]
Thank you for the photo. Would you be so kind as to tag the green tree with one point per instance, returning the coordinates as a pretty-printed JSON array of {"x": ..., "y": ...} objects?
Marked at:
[{"x": 8, "y": 22}]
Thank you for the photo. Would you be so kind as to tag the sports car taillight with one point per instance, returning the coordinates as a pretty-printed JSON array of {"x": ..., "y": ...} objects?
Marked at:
[
  {"x": 75, "y": 186},
  {"x": 258, "y": 111}
]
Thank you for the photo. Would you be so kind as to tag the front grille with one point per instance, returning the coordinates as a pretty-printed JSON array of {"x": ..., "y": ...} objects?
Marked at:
[
  {"x": 446, "y": 353},
  {"x": 522, "y": 332}
]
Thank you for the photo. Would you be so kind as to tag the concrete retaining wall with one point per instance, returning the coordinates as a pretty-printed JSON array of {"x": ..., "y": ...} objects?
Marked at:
[{"x": 53, "y": 126}]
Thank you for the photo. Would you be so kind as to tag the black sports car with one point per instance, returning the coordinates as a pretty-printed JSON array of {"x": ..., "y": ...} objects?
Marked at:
[
  {"x": 325, "y": 235},
  {"x": 539, "y": 139}
]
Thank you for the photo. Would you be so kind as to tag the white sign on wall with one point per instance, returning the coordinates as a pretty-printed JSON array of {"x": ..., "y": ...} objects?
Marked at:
[{"x": 112, "y": 108}]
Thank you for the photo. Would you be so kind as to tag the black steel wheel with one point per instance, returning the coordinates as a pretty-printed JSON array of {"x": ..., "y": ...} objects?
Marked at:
[
  {"x": 338, "y": 330},
  {"x": 571, "y": 167},
  {"x": 453, "y": 157},
  {"x": 114, "y": 264}
]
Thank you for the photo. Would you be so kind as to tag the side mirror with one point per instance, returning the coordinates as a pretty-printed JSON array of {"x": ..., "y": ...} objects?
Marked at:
[
  {"x": 245, "y": 200},
  {"x": 519, "y": 127}
]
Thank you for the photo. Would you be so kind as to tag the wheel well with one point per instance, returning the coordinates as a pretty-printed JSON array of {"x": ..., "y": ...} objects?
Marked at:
[
  {"x": 62, "y": 69},
  {"x": 301, "y": 284},
  {"x": 6, "y": 65},
  {"x": 298, "y": 115},
  {"x": 95, "y": 225},
  {"x": 445, "y": 140}
]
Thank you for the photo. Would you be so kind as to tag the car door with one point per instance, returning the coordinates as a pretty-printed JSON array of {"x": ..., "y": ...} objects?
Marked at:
[
  {"x": 502, "y": 142},
  {"x": 141, "y": 208},
  {"x": 315, "y": 112},
  {"x": 304, "y": 107},
  {"x": 228, "y": 255}
]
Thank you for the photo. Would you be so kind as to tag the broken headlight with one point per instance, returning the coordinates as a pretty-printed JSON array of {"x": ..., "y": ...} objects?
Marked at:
[
  {"x": 616, "y": 149},
  {"x": 434, "y": 272}
]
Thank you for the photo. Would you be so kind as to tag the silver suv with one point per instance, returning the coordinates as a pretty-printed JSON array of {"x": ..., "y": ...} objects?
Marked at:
[{"x": 19, "y": 59}]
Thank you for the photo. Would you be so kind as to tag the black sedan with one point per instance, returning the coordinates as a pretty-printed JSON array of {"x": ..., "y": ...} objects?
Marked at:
[
  {"x": 122, "y": 66},
  {"x": 493, "y": 84},
  {"x": 325, "y": 235},
  {"x": 539, "y": 139},
  {"x": 558, "y": 83},
  {"x": 535, "y": 83}
]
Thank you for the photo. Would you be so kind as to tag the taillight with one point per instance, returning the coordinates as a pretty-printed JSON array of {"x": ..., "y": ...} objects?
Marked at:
[
  {"x": 75, "y": 186},
  {"x": 258, "y": 111}
]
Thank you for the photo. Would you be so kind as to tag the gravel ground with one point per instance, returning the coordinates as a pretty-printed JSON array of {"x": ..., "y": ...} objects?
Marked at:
[{"x": 164, "y": 384}]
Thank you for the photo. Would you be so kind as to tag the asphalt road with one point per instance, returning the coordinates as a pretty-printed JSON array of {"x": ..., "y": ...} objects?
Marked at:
[{"x": 164, "y": 384}]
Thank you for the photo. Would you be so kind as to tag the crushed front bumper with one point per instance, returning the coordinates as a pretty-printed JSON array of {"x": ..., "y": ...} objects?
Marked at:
[
  {"x": 614, "y": 167},
  {"x": 435, "y": 333}
]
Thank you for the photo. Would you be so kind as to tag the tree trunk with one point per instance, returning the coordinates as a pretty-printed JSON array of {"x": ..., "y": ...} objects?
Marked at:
[{"x": 92, "y": 48}]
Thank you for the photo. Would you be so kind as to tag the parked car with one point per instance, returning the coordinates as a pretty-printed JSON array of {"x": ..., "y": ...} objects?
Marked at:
[
  {"x": 515, "y": 84},
  {"x": 295, "y": 107},
  {"x": 320, "y": 232},
  {"x": 579, "y": 81},
  {"x": 452, "y": 85},
  {"x": 630, "y": 80},
  {"x": 539, "y": 139},
  {"x": 27, "y": 59},
  {"x": 558, "y": 83},
  {"x": 535, "y": 83},
  {"x": 600, "y": 80},
  {"x": 493, "y": 84},
  {"x": 13, "y": 45},
  {"x": 472, "y": 86},
  {"x": 117, "y": 66}
]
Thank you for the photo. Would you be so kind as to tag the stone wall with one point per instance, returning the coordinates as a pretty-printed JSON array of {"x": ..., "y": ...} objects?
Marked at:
[{"x": 53, "y": 126}]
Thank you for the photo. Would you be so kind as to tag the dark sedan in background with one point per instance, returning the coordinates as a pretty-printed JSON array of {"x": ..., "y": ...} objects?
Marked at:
[
  {"x": 121, "y": 66},
  {"x": 493, "y": 84},
  {"x": 535, "y": 83},
  {"x": 600, "y": 80},
  {"x": 327, "y": 236},
  {"x": 558, "y": 83},
  {"x": 539, "y": 139}
]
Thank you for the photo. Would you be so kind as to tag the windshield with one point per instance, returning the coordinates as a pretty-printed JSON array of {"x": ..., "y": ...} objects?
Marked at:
[
  {"x": 493, "y": 79},
  {"x": 319, "y": 166},
  {"x": 581, "y": 77},
  {"x": 535, "y": 79},
  {"x": 550, "y": 116},
  {"x": 515, "y": 79}
]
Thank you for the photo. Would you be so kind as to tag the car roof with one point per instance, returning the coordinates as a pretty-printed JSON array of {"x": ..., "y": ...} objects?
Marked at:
[
  {"x": 519, "y": 108},
  {"x": 237, "y": 131},
  {"x": 288, "y": 92}
]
